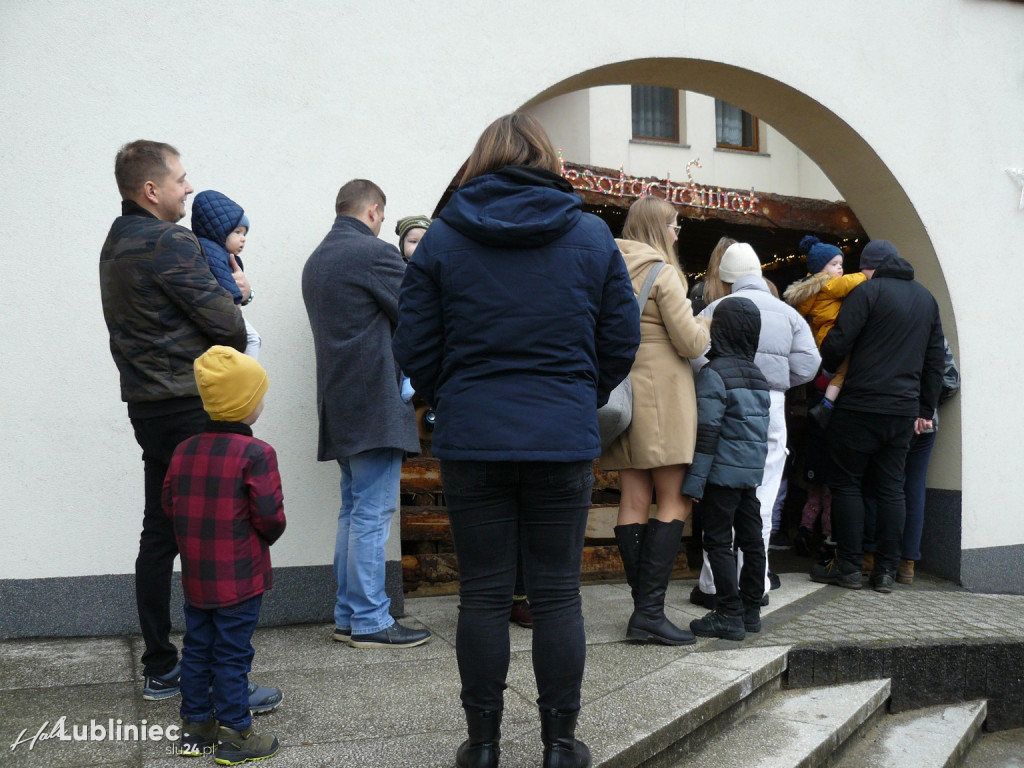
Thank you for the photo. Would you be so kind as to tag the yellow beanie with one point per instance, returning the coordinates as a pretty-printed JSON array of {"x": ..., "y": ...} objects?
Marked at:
[{"x": 230, "y": 383}]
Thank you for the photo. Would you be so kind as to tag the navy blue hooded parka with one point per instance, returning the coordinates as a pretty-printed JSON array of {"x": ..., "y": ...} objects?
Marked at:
[{"x": 516, "y": 318}]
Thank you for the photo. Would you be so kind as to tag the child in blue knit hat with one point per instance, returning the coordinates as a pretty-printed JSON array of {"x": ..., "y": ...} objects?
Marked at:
[{"x": 221, "y": 226}]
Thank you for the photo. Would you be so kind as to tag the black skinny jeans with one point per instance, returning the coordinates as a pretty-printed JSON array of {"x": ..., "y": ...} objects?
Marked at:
[
  {"x": 499, "y": 510},
  {"x": 159, "y": 436}
]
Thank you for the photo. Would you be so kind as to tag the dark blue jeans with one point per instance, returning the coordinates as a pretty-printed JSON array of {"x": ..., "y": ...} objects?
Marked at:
[
  {"x": 869, "y": 445},
  {"x": 218, "y": 652},
  {"x": 158, "y": 437},
  {"x": 499, "y": 510}
]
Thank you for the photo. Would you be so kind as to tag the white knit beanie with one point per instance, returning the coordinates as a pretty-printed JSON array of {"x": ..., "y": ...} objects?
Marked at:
[{"x": 738, "y": 260}]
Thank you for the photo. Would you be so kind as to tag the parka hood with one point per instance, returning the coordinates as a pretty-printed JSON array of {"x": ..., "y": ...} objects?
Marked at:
[
  {"x": 895, "y": 267},
  {"x": 735, "y": 329},
  {"x": 799, "y": 292},
  {"x": 514, "y": 207}
]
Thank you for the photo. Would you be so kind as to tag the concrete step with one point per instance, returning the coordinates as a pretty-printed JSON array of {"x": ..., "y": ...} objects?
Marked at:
[
  {"x": 643, "y": 715},
  {"x": 1004, "y": 749},
  {"x": 792, "y": 729},
  {"x": 933, "y": 737}
]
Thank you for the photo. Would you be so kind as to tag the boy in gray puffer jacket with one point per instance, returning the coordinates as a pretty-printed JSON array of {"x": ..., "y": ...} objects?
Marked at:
[{"x": 732, "y": 444}]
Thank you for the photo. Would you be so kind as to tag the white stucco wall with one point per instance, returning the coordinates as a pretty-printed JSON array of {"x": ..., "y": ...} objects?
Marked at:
[{"x": 277, "y": 105}]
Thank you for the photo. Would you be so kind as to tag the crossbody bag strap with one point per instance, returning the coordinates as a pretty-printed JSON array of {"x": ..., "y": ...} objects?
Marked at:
[{"x": 645, "y": 289}]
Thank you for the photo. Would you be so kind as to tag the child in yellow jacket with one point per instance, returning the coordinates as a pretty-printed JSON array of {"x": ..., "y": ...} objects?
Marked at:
[{"x": 819, "y": 297}]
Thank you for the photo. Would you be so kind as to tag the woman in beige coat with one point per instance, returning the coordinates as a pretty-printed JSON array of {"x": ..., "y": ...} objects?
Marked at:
[{"x": 653, "y": 453}]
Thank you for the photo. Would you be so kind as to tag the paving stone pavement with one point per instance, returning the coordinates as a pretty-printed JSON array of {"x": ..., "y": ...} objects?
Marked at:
[{"x": 384, "y": 708}]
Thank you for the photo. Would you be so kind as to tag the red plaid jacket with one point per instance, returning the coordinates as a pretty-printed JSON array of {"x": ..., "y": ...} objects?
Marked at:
[{"x": 223, "y": 495}]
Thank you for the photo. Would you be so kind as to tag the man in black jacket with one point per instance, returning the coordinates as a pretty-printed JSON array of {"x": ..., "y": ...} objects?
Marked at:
[
  {"x": 890, "y": 328},
  {"x": 163, "y": 308}
]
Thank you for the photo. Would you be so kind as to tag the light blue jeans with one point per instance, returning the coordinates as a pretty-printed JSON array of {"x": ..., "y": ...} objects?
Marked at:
[{"x": 369, "y": 499}]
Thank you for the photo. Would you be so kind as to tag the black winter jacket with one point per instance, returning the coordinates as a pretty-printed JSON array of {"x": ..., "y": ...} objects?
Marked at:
[
  {"x": 163, "y": 307},
  {"x": 890, "y": 327},
  {"x": 733, "y": 403}
]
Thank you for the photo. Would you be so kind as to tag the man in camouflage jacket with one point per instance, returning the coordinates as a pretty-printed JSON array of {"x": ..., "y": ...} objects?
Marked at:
[{"x": 163, "y": 308}]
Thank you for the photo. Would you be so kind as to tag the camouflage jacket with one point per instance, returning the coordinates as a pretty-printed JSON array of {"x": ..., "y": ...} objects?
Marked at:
[{"x": 162, "y": 305}]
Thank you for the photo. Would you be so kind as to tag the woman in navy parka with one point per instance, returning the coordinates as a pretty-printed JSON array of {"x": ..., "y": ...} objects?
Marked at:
[{"x": 516, "y": 319}]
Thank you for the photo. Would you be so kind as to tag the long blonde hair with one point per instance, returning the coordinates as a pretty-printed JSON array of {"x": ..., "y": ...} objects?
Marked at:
[
  {"x": 714, "y": 288},
  {"x": 648, "y": 221},
  {"x": 514, "y": 139}
]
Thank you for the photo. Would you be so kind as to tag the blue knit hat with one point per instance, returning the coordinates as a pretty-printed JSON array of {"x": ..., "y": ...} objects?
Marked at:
[{"x": 818, "y": 253}]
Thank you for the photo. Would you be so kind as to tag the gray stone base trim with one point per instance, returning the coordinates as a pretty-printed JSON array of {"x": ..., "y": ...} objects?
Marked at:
[
  {"x": 941, "y": 536},
  {"x": 994, "y": 569},
  {"x": 924, "y": 675},
  {"x": 88, "y": 606}
]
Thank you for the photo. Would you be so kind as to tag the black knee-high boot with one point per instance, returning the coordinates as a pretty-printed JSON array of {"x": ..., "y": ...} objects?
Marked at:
[
  {"x": 481, "y": 749},
  {"x": 561, "y": 749},
  {"x": 630, "y": 539},
  {"x": 657, "y": 558}
]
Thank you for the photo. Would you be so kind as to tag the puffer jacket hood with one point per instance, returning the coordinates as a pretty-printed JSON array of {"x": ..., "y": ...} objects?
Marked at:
[
  {"x": 802, "y": 290},
  {"x": 735, "y": 329},
  {"x": 215, "y": 215},
  {"x": 515, "y": 207}
]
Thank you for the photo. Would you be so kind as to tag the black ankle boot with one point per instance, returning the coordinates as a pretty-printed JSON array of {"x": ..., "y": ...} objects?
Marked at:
[
  {"x": 561, "y": 749},
  {"x": 481, "y": 749},
  {"x": 657, "y": 558},
  {"x": 630, "y": 539}
]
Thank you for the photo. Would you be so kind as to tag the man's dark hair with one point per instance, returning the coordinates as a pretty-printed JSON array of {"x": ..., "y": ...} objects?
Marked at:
[
  {"x": 356, "y": 195},
  {"x": 140, "y": 161}
]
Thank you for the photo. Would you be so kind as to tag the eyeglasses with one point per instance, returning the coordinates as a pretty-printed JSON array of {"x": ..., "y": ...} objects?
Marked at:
[{"x": 675, "y": 228}]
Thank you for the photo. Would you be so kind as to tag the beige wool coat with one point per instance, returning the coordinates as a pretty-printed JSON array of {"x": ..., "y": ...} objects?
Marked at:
[{"x": 664, "y": 426}]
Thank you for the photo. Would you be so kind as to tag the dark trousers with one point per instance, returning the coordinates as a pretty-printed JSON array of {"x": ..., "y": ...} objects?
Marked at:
[
  {"x": 538, "y": 510},
  {"x": 734, "y": 514},
  {"x": 158, "y": 437},
  {"x": 914, "y": 488},
  {"x": 217, "y": 654},
  {"x": 869, "y": 445}
]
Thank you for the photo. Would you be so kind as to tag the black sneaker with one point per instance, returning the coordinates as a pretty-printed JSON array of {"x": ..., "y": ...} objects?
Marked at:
[
  {"x": 160, "y": 687},
  {"x": 752, "y": 618},
  {"x": 197, "y": 738},
  {"x": 342, "y": 636},
  {"x": 882, "y": 582},
  {"x": 779, "y": 542},
  {"x": 715, "y": 624},
  {"x": 395, "y": 636},
  {"x": 773, "y": 580},
  {"x": 703, "y": 599},
  {"x": 237, "y": 747},
  {"x": 829, "y": 573}
]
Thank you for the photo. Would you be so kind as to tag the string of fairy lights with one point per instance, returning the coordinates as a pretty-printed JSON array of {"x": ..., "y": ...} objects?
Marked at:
[{"x": 689, "y": 193}]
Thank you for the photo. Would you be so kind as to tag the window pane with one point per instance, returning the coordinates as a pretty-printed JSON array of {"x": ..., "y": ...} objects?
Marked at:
[
  {"x": 734, "y": 127},
  {"x": 655, "y": 113}
]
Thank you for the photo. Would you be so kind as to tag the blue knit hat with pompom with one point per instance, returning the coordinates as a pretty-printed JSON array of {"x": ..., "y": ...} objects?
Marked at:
[{"x": 818, "y": 253}]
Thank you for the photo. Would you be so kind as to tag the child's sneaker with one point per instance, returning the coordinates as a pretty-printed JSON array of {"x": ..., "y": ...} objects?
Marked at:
[
  {"x": 160, "y": 687},
  {"x": 715, "y": 624},
  {"x": 237, "y": 747},
  {"x": 198, "y": 738}
]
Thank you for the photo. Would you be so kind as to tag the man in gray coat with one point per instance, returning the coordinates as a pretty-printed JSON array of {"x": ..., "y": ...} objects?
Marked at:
[{"x": 350, "y": 287}]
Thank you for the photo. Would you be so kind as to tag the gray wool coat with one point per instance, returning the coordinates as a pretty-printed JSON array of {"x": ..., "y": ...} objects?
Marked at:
[{"x": 350, "y": 287}]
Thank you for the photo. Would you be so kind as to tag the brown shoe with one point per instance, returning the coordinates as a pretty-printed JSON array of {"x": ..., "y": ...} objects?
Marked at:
[
  {"x": 521, "y": 614},
  {"x": 867, "y": 563},
  {"x": 905, "y": 573}
]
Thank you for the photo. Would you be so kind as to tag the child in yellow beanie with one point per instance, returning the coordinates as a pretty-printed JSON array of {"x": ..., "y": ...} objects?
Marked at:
[{"x": 223, "y": 496}]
